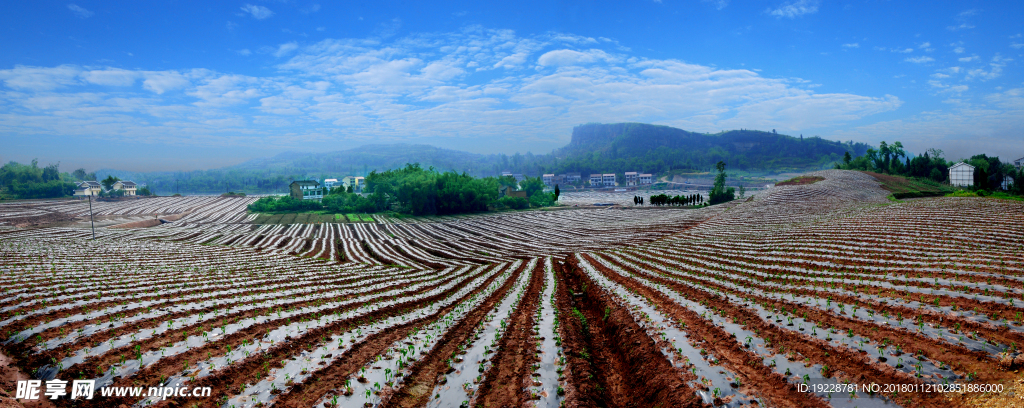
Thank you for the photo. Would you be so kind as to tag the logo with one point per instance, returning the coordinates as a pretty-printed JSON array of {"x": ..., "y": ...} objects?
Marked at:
[{"x": 55, "y": 388}]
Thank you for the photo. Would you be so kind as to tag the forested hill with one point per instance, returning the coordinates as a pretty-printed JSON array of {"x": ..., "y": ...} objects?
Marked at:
[
  {"x": 594, "y": 148},
  {"x": 272, "y": 174},
  {"x": 363, "y": 159},
  {"x": 656, "y": 148}
]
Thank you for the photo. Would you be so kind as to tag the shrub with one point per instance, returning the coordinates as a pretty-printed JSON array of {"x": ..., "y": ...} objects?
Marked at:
[{"x": 515, "y": 203}]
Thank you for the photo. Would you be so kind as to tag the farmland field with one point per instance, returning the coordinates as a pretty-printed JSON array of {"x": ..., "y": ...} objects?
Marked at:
[{"x": 826, "y": 285}]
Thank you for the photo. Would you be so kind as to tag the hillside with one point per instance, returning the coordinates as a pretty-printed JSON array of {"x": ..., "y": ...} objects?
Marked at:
[
  {"x": 593, "y": 148},
  {"x": 621, "y": 146}
]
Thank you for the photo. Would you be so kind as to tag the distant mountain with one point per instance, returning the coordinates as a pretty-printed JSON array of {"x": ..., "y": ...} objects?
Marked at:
[
  {"x": 653, "y": 148},
  {"x": 363, "y": 159},
  {"x": 594, "y": 148}
]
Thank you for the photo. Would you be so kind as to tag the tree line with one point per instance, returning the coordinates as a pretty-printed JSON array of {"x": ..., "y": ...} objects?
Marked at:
[
  {"x": 989, "y": 172},
  {"x": 418, "y": 191}
]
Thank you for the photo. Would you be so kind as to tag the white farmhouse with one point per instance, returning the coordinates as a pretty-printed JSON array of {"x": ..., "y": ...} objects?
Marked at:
[
  {"x": 127, "y": 186},
  {"x": 88, "y": 188},
  {"x": 631, "y": 178},
  {"x": 608, "y": 179},
  {"x": 961, "y": 175}
]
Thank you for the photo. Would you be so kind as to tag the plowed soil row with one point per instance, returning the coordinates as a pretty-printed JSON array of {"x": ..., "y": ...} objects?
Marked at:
[
  {"x": 424, "y": 374},
  {"x": 611, "y": 360},
  {"x": 59, "y": 314},
  {"x": 26, "y": 348},
  {"x": 960, "y": 358},
  {"x": 227, "y": 380},
  {"x": 97, "y": 364},
  {"x": 72, "y": 326},
  {"x": 987, "y": 307},
  {"x": 847, "y": 363},
  {"x": 995, "y": 333},
  {"x": 758, "y": 379},
  {"x": 509, "y": 374}
]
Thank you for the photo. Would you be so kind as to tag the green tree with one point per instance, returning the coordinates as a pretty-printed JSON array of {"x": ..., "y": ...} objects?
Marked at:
[
  {"x": 532, "y": 186},
  {"x": 108, "y": 182},
  {"x": 719, "y": 193},
  {"x": 557, "y": 192}
]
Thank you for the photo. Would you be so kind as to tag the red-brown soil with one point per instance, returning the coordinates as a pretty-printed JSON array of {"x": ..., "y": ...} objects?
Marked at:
[
  {"x": 611, "y": 359},
  {"x": 509, "y": 374}
]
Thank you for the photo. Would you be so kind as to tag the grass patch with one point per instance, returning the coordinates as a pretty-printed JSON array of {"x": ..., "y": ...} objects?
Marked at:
[
  {"x": 904, "y": 187},
  {"x": 366, "y": 218},
  {"x": 984, "y": 194},
  {"x": 800, "y": 181}
]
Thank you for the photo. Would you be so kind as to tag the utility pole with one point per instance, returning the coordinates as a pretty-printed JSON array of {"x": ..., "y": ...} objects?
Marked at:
[{"x": 90, "y": 215}]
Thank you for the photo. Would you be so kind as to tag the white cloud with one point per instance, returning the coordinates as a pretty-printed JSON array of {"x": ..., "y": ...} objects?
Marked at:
[
  {"x": 851, "y": 45},
  {"x": 164, "y": 81},
  {"x": 312, "y": 8},
  {"x": 959, "y": 50},
  {"x": 924, "y": 45},
  {"x": 903, "y": 50},
  {"x": 257, "y": 12},
  {"x": 110, "y": 77},
  {"x": 719, "y": 4},
  {"x": 244, "y": 52},
  {"x": 570, "y": 57},
  {"x": 920, "y": 60},
  {"x": 968, "y": 59},
  {"x": 1017, "y": 45},
  {"x": 962, "y": 26},
  {"x": 40, "y": 78},
  {"x": 285, "y": 49},
  {"x": 995, "y": 69},
  {"x": 415, "y": 87},
  {"x": 793, "y": 9},
  {"x": 79, "y": 11}
]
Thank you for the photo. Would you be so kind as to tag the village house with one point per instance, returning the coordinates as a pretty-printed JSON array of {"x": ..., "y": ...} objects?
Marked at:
[
  {"x": 88, "y": 188},
  {"x": 608, "y": 179},
  {"x": 572, "y": 178},
  {"x": 1019, "y": 162},
  {"x": 646, "y": 179},
  {"x": 355, "y": 182},
  {"x": 306, "y": 190},
  {"x": 961, "y": 175},
  {"x": 631, "y": 178},
  {"x": 595, "y": 180},
  {"x": 330, "y": 183},
  {"x": 127, "y": 186},
  {"x": 548, "y": 179}
]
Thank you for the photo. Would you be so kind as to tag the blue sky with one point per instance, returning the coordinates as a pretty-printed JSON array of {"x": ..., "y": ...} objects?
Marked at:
[{"x": 188, "y": 85}]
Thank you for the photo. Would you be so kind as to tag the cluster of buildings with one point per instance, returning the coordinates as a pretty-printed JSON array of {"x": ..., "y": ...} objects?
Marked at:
[
  {"x": 314, "y": 190},
  {"x": 93, "y": 188},
  {"x": 962, "y": 175},
  {"x": 631, "y": 178}
]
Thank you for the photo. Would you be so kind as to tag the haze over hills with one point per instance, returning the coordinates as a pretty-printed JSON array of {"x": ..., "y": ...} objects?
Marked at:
[{"x": 593, "y": 148}]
